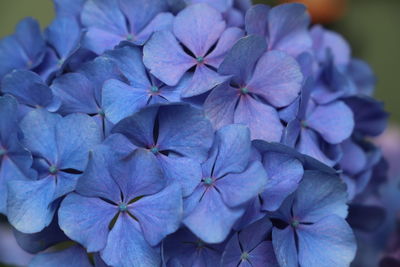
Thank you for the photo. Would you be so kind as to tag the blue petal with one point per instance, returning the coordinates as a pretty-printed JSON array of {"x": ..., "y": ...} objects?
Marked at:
[
  {"x": 105, "y": 24},
  {"x": 138, "y": 128},
  {"x": 64, "y": 34},
  {"x": 96, "y": 181},
  {"x": 277, "y": 78},
  {"x": 129, "y": 61},
  {"x": 220, "y": 105},
  {"x": 232, "y": 253},
  {"x": 76, "y": 94},
  {"x": 139, "y": 175},
  {"x": 199, "y": 27},
  {"x": 256, "y": 20},
  {"x": 160, "y": 214},
  {"x": 76, "y": 134},
  {"x": 288, "y": 29},
  {"x": 225, "y": 43},
  {"x": 284, "y": 245},
  {"x": 241, "y": 59},
  {"x": 233, "y": 145},
  {"x": 73, "y": 256},
  {"x": 98, "y": 71},
  {"x": 184, "y": 130},
  {"x": 238, "y": 188},
  {"x": 141, "y": 12},
  {"x": 29, "y": 206},
  {"x": 354, "y": 159},
  {"x": 211, "y": 220},
  {"x": 86, "y": 220},
  {"x": 363, "y": 76},
  {"x": 284, "y": 174},
  {"x": 185, "y": 171},
  {"x": 121, "y": 100},
  {"x": 29, "y": 36},
  {"x": 262, "y": 119},
  {"x": 333, "y": 121},
  {"x": 165, "y": 58},
  {"x": 220, "y": 5},
  {"x": 126, "y": 246},
  {"x": 203, "y": 80},
  {"x": 253, "y": 235},
  {"x": 161, "y": 22},
  {"x": 39, "y": 127},
  {"x": 329, "y": 242},
  {"x": 27, "y": 87},
  {"x": 263, "y": 255},
  {"x": 320, "y": 195}
]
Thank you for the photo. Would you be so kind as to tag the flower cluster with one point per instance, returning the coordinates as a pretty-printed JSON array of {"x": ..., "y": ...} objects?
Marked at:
[{"x": 184, "y": 133}]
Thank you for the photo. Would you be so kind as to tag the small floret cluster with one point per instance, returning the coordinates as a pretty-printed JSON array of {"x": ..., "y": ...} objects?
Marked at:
[{"x": 184, "y": 133}]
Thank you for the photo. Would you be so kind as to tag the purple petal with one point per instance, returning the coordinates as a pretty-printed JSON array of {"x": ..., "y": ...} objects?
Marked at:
[
  {"x": 64, "y": 35},
  {"x": 277, "y": 78},
  {"x": 319, "y": 195},
  {"x": 121, "y": 100},
  {"x": 127, "y": 247},
  {"x": 284, "y": 173},
  {"x": 225, "y": 43},
  {"x": 203, "y": 80},
  {"x": 237, "y": 189},
  {"x": 138, "y": 128},
  {"x": 253, "y": 235},
  {"x": 184, "y": 130},
  {"x": 232, "y": 253},
  {"x": 140, "y": 12},
  {"x": 234, "y": 147},
  {"x": 185, "y": 171},
  {"x": 76, "y": 93},
  {"x": 139, "y": 175},
  {"x": 262, "y": 119},
  {"x": 105, "y": 23},
  {"x": 256, "y": 20},
  {"x": 159, "y": 215},
  {"x": 288, "y": 29},
  {"x": 354, "y": 159},
  {"x": 263, "y": 255},
  {"x": 329, "y": 242},
  {"x": 324, "y": 39},
  {"x": 96, "y": 181},
  {"x": 27, "y": 87},
  {"x": 165, "y": 58},
  {"x": 211, "y": 220},
  {"x": 333, "y": 121},
  {"x": 284, "y": 245},
  {"x": 220, "y": 105},
  {"x": 28, "y": 207},
  {"x": 309, "y": 144},
  {"x": 220, "y": 5},
  {"x": 86, "y": 220},
  {"x": 73, "y": 148},
  {"x": 73, "y": 256},
  {"x": 241, "y": 59},
  {"x": 198, "y": 27},
  {"x": 39, "y": 128}
]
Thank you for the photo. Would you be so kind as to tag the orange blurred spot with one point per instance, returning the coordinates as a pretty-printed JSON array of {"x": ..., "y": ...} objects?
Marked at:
[{"x": 323, "y": 11}]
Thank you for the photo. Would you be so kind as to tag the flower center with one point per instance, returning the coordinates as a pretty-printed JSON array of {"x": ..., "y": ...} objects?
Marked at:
[
  {"x": 122, "y": 207},
  {"x": 295, "y": 223},
  {"x": 129, "y": 37},
  {"x": 304, "y": 124},
  {"x": 101, "y": 113},
  {"x": 245, "y": 256},
  {"x": 154, "y": 150},
  {"x": 200, "y": 59},
  {"x": 2, "y": 152},
  {"x": 154, "y": 89},
  {"x": 53, "y": 169},
  {"x": 208, "y": 180},
  {"x": 244, "y": 90}
]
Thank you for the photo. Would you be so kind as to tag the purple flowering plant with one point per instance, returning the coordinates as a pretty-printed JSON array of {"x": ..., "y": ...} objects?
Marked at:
[{"x": 185, "y": 133}]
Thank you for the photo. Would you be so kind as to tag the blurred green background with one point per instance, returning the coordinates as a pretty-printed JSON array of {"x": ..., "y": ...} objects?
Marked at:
[{"x": 371, "y": 26}]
